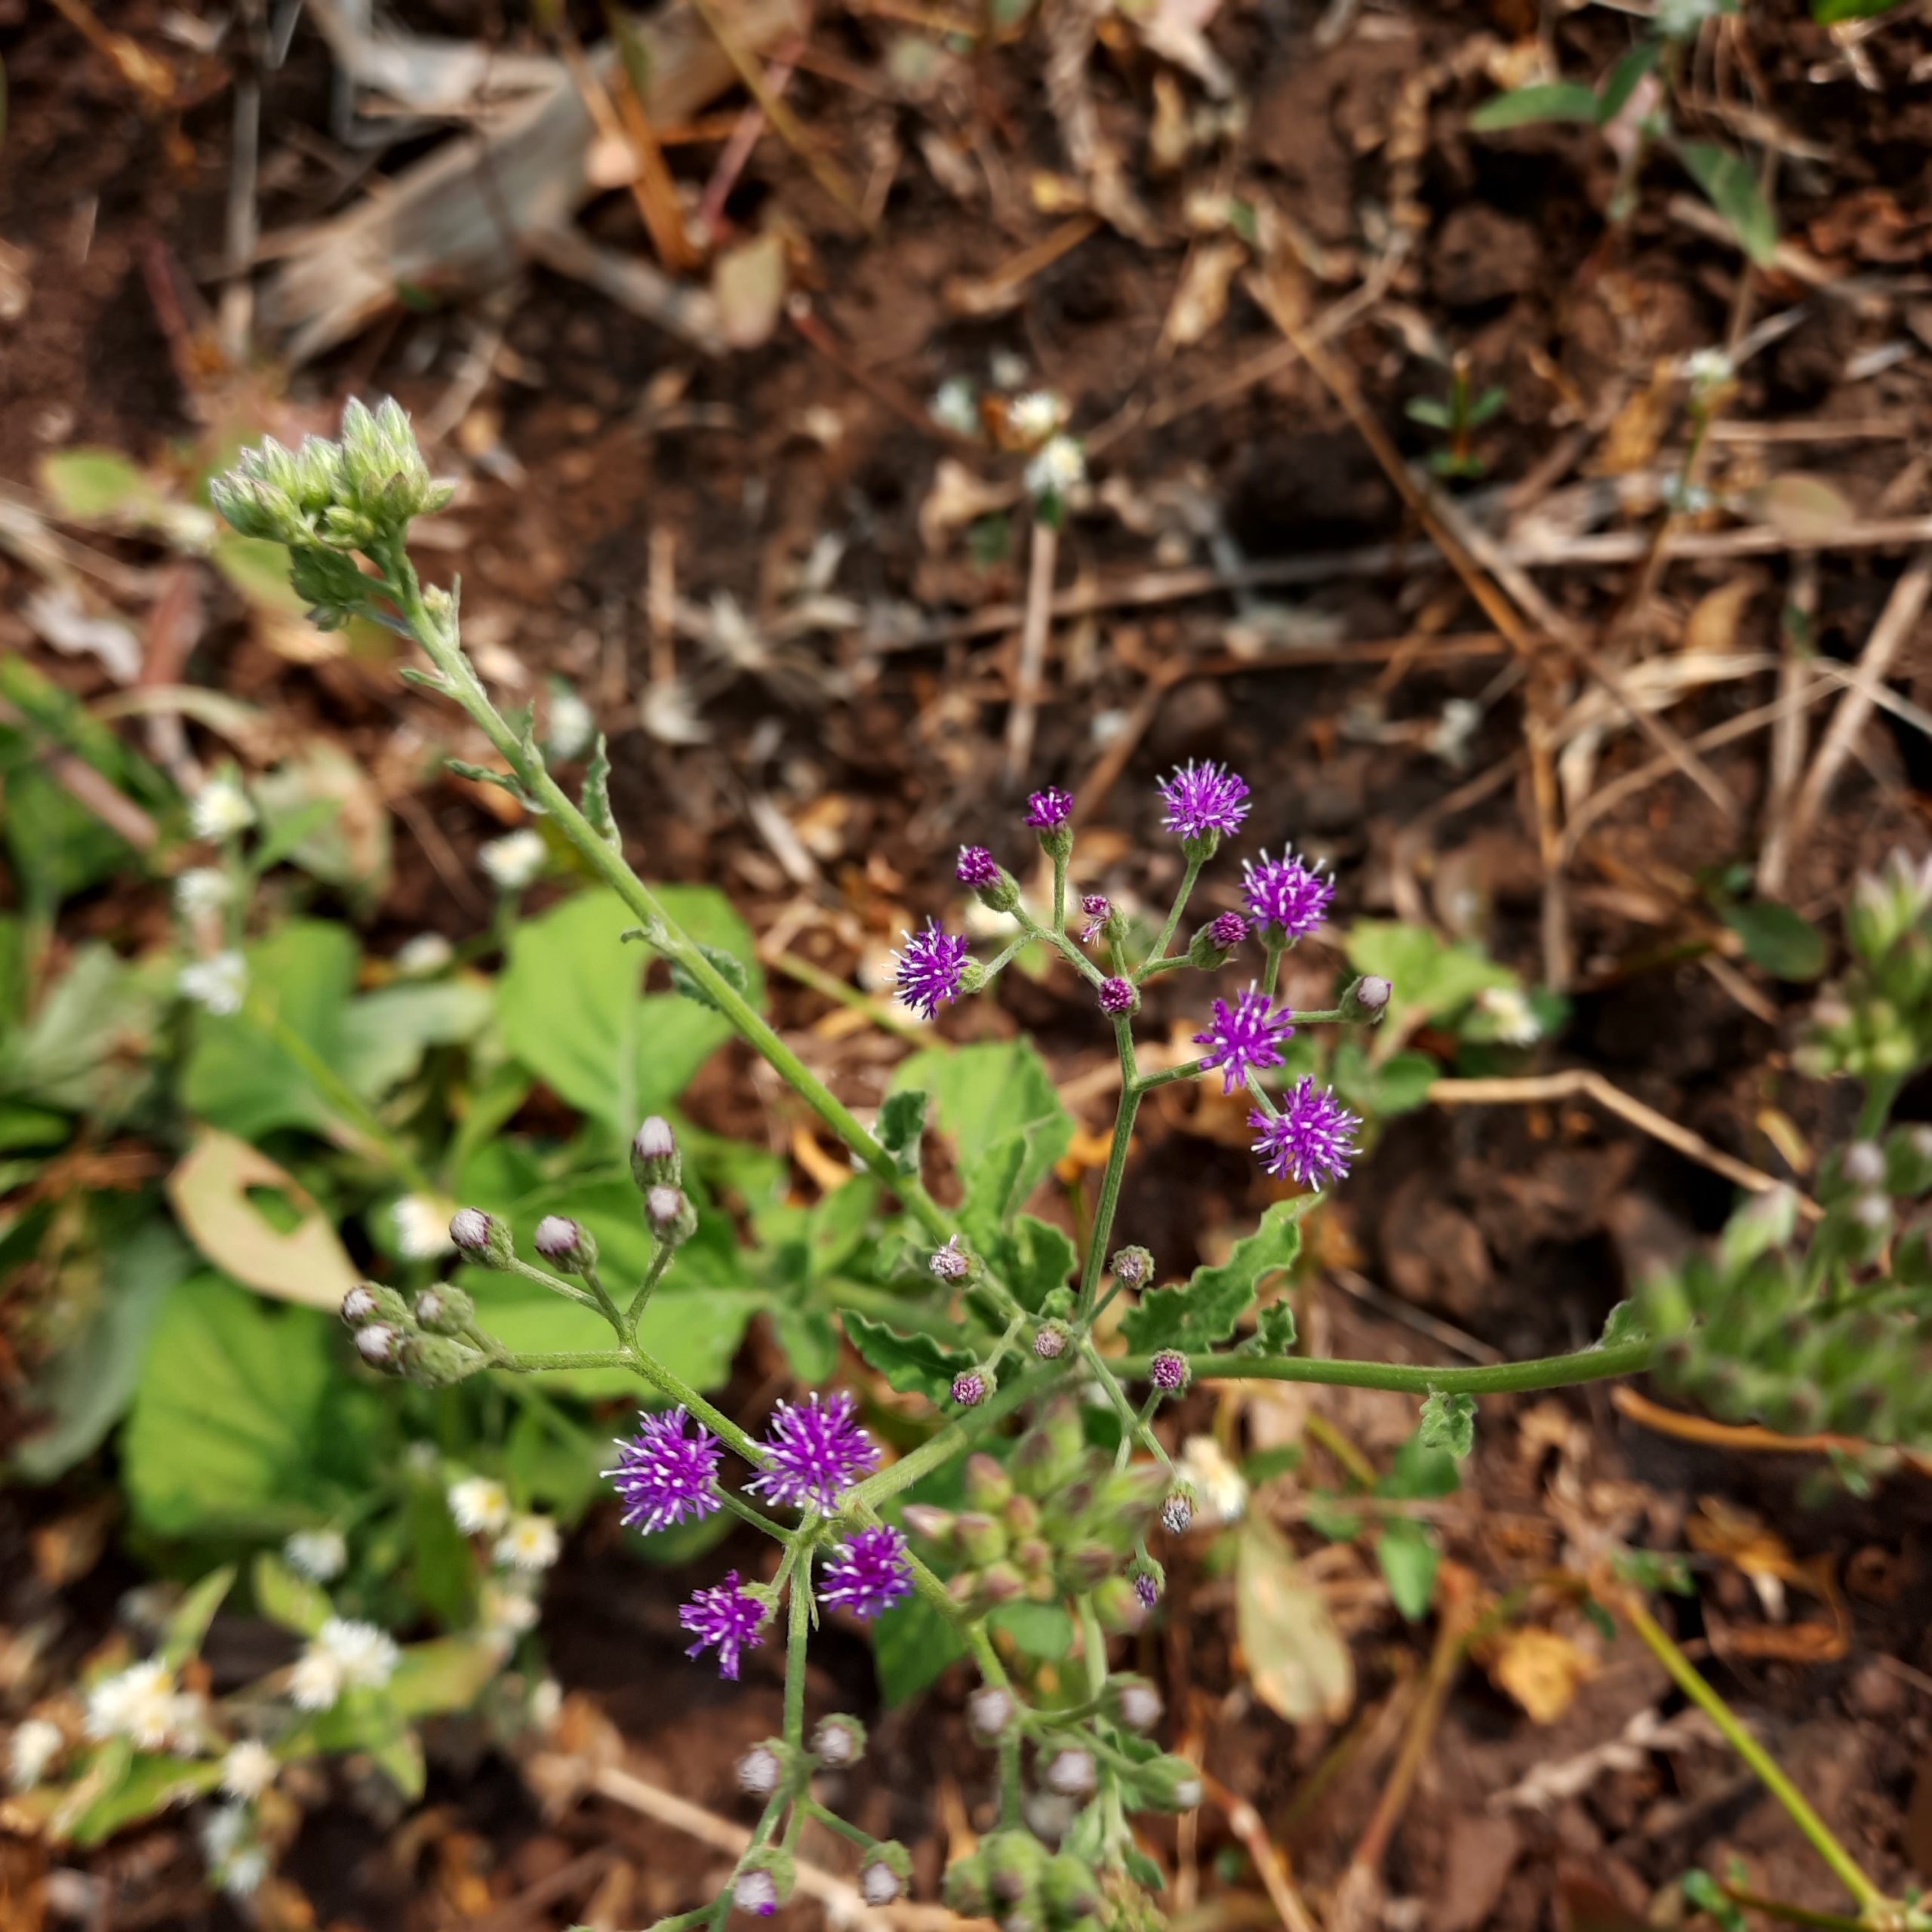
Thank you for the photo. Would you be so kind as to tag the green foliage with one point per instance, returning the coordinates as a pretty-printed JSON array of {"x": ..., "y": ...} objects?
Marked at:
[
  {"x": 1448, "y": 1422},
  {"x": 997, "y": 1103},
  {"x": 1207, "y": 1307}
]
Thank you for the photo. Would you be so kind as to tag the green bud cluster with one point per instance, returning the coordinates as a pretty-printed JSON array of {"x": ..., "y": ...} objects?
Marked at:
[{"x": 1876, "y": 1023}]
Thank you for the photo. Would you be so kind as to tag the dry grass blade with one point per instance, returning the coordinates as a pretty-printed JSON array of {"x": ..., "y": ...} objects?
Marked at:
[{"x": 1747, "y": 1436}]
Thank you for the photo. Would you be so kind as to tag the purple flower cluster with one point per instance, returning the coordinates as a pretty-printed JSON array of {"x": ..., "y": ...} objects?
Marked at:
[
  {"x": 1312, "y": 1139},
  {"x": 1286, "y": 899},
  {"x": 931, "y": 965},
  {"x": 727, "y": 1616},
  {"x": 1226, "y": 930},
  {"x": 1048, "y": 810},
  {"x": 665, "y": 1476},
  {"x": 1204, "y": 799},
  {"x": 978, "y": 867},
  {"x": 1248, "y": 1034},
  {"x": 814, "y": 1453},
  {"x": 1168, "y": 1371},
  {"x": 969, "y": 1388},
  {"x": 867, "y": 1575},
  {"x": 1118, "y": 996}
]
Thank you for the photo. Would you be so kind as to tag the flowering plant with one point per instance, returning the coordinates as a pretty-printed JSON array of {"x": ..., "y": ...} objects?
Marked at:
[{"x": 1047, "y": 1517}]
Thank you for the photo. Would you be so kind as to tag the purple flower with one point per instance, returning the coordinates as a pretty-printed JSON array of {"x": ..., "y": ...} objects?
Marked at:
[
  {"x": 1168, "y": 1371},
  {"x": 1147, "y": 1588},
  {"x": 931, "y": 965},
  {"x": 1248, "y": 1034},
  {"x": 951, "y": 1262},
  {"x": 969, "y": 1388},
  {"x": 1205, "y": 798},
  {"x": 1118, "y": 996},
  {"x": 815, "y": 1452},
  {"x": 665, "y": 1476},
  {"x": 978, "y": 867},
  {"x": 1226, "y": 931},
  {"x": 1047, "y": 810},
  {"x": 1095, "y": 906},
  {"x": 728, "y": 1615},
  {"x": 756, "y": 1891},
  {"x": 1286, "y": 899},
  {"x": 868, "y": 1574},
  {"x": 1312, "y": 1138},
  {"x": 1177, "y": 1512}
]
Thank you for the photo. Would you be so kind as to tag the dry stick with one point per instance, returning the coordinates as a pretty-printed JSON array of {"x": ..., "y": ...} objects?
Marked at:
[
  {"x": 1788, "y": 732},
  {"x": 1585, "y": 1083},
  {"x": 1246, "y": 1824},
  {"x": 1651, "y": 1415},
  {"x": 1027, "y": 684},
  {"x": 1896, "y": 622}
]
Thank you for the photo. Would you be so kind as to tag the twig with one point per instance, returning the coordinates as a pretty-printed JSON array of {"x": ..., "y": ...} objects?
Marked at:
[
  {"x": 1021, "y": 719},
  {"x": 1788, "y": 732},
  {"x": 1651, "y": 1415},
  {"x": 1246, "y": 1824},
  {"x": 1896, "y": 623},
  {"x": 1586, "y": 1083}
]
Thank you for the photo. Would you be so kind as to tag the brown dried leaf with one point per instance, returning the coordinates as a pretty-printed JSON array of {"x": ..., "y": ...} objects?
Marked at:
[
  {"x": 1541, "y": 1669},
  {"x": 748, "y": 284},
  {"x": 1297, "y": 1660},
  {"x": 1201, "y": 299},
  {"x": 1712, "y": 627},
  {"x": 1802, "y": 507}
]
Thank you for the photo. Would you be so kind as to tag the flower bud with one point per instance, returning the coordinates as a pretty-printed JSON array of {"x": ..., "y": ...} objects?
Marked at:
[
  {"x": 1134, "y": 1702},
  {"x": 380, "y": 1344},
  {"x": 1118, "y": 1604},
  {"x": 988, "y": 1486},
  {"x": 935, "y": 1525},
  {"x": 1177, "y": 1511},
  {"x": 839, "y": 1742},
  {"x": 965, "y": 1887},
  {"x": 1057, "y": 1305},
  {"x": 1051, "y": 1340},
  {"x": 762, "y": 1770},
  {"x": 981, "y": 1537},
  {"x": 1169, "y": 1783},
  {"x": 886, "y": 1873},
  {"x": 481, "y": 1237},
  {"x": 995, "y": 888},
  {"x": 436, "y": 1361},
  {"x": 989, "y": 1711},
  {"x": 971, "y": 1387},
  {"x": 1021, "y": 1515},
  {"x": 1070, "y": 1771},
  {"x": 999, "y": 1582},
  {"x": 1119, "y": 997},
  {"x": 1168, "y": 1371},
  {"x": 1149, "y": 1580},
  {"x": 763, "y": 1882},
  {"x": 1132, "y": 1267},
  {"x": 1366, "y": 999},
  {"x": 1214, "y": 945},
  {"x": 369, "y": 1301},
  {"x": 566, "y": 1244},
  {"x": 1015, "y": 1862},
  {"x": 672, "y": 1218},
  {"x": 1862, "y": 1165},
  {"x": 951, "y": 1262},
  {"x": 1068, "y": 1889},
  {"x": 444, "y": 1310},
  {"x": 655, "y": 1160}
]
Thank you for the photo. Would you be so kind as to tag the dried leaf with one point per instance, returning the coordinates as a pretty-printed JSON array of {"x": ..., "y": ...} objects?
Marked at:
[
  {"x": 1541, "y": 1669},
  {"x": 1201, "y": 299},
  {"x": 1297, "y": 1660},
  {"x": 1802, "y": 507},
  {"x": 1712, "y": 625},
  {"x": 748, "y": 284}
]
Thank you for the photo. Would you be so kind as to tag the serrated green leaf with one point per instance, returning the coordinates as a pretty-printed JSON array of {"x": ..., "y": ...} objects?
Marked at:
[
  {"x": 1207, "y": 1307},
  {"x": 1540, "y": 101},
  {"x": 1409, "y": 1560},
  {"x": 1448, "y": 1422},
  {"x": 913, "y": 1364},
  {"x": 1275, "y": 1333},
  {"x": 1730, "y": 186},
  {"x": 997, "y": 1101},
  {"x": 902, "y": 1125},
  {"x": 1032, "y": 1258},
  {"x": 1420, "y": 1473}
]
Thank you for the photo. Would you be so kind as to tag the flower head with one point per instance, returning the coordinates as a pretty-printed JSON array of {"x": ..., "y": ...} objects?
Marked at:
[
  {"x": 868, "y": 1574},
  {"x": 1219, "y": 1489},
  {"x": 343, "y": 1655},
  {"x": 505, "y": 1609},
  {"x": 756, "y": 1891},
  {"x": 1095, "y": 908},
  {"x": 217, "y": 984},
  {"x": 1286, "y": 899},
  {"x": 969, "y": 1388},
  {"x": 879, "y": 1884},
  {"x": 1034, "y": 416},
  {"x": 759, "y": 1770},
  {"x": 1047, "y": 810},
  {"x": 1147, "y": 1588},
  {"x": 248, "y": 1770},
  {"x": 1070, "y": 1772},
  {"x": 978, "y": 867},
  {"x": 35, "y": 1744},
  {"x": 727, "y": 1616},
  {"x": 237, "y": 1863},
  {"x": 143, "y": 1704},
  {"x": 1312, "y": 1138},
  {"x": 954, "y": 406},
  {"x": 1118, "y": 997},
  {"x": 951, "y": 1262},
  {"x": 664, "y": 1475},
  {"x": 1226, "y": 930},
  {"x": 221, "y": 810},
  {"x": 931, "y": 965},
  {"x": 202, "y": 889},
  {"x": 514, "y": 861},
  {"x": 1204, "y": 800},
  {"x": 1059, "y": 469},
  {"x": 815, "y": 1452},
  {"x": 319, "y": 1554},
  {"x": 1168, "y": 1371},
  {"x": 1250, "y": 1033},
  {"x": 480, "y": 1504},
  {"x": 530, "y": 1544},
  {"x": 1511, "y": 1016},
  {"x": 573, "y": 723},
  {"x": 425, "y": 953},
  {"x": 1177, "y": 1512}
]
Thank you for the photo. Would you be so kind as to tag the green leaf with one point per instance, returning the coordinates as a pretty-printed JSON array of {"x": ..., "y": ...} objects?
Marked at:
[
  {"x": 913, "y": 1364},
  {"x": 385, "y": 1033},
  {"x": 840, "y": 1225},
  {"x": 1207, "y": 1307},
  {"x": 1430, "y": 979},
  {"x": 1275, "y": 1333},
  {"x": 1730, "y": 186},
  {"x": 1621, "y": 82},
  {"x": 1428, "y": 409},
  {"x": 912, "y": 1644},
  {"x": 572, "y": 1009},
  {"x": 1624, "y": 1323},
  {"x": 445, "y": 1674},
  {"x": 1042, "y": 1630},
  {"x": 729, "y": 967},
  {"x": 1297, "y": 1661},
  {"x": 1421, "y": 1473},
  {"x": 1409, "y": 1559},
  {"x": 997, "y": 1101},
  {"x": 1832, "y": 12},
  {"x": 1448, "y": 1422},
  {"x": 223, "y": 1435},
  {"x": 1541, "y": 100},
  {"x": 87, "y": 485},
  {"x": 189, "y": 1623},
  {"x": 284, "y": 1597},
  {"x": 87, "y": 1045},
  {"x": 150, "y": 1784},
  {"x": 1783, "y": 942},
  {"x": 810, "y": 1338},
  {"x": 901, "y": 1124},
  {"x": 1032, "y": 1258}
]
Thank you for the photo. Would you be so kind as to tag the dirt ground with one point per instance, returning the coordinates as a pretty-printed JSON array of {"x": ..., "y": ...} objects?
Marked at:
[{"x": 616, "y": 483}]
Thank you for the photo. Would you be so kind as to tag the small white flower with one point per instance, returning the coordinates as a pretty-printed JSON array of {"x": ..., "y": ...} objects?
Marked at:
[
  {"x": 1037, "y": 415},
  {"x": 202, "y": 889},
  {"x": 422, "y": 1227},
  {"x": 546, "y": 1703},
  {"x": 426, "y": 953},
  {"x": 573, "y": 724},
  {"x": 223, "y": 1832},
  {"x": 248, "y": 1770},
  {"x": 1707, "y": 368},
  {"x": 505, "y": 1612},
  {"x": 954, "y": 406},
  {"x": 481, "y": 1506},
  {"x": 217, "y": 984},
  {"x": 1511, "y": 1014},
  {"x": 1008, "y": 370},
  {"x": 315, "y": 1680},
  {"x": 36, "y": 1743},
  {"x": 221, "y": 810},
  {"x": 530, "y": 1544},
  {"x": 343, "y": 1655},
  {"x": 514, "y": 861},
  {"x": 244, "y": 1872},
  {"x": 1060, "y": 468},
  {"x": 236, "y": 1861},
  {"x": 1220, "y": 1494},
  {"x": 319, "y": 1554},
  {"x": 142, "y": 1705}
]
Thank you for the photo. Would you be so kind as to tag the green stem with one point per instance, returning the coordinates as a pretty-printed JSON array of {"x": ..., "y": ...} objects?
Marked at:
[
  {"x": 1271, "y": 970},
  {"x": 1147, "y": 1082},
  {"x": 1093, "y": 1644},
  {"x": 812, "y": 1808},
  {"x": 956, "y": 1437},
  {"x": 879, "y": 1012},
  {"x": 1153, "y": 968},
  {"x": 1159, "y": 951},
  {"x": 1690, "y": 1680},
  {"x": 1593, "y": 1364},
  {"x": 758, "y": 1519},
  {"x": 1880, "y": 1090},
  {"x": 1792, "y": 1914},
  {"x": 797, "y": 1637},
  {"x": 660, "y": 1260},
  {"x": 1104, "y": 1215},
  {"x": 1136, "y": 1428},
  {"x": 1326, "y": 1014},
  {"x": 646, "y": 1365},
  {"x": 555, "y": 1283},
  {"x": 971, "y": 1630},
  {"x": 605, "y": 1306}
]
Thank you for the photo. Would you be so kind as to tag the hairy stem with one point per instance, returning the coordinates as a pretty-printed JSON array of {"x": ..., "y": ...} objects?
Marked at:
[
  {"x": 1104, "y": 1215},
  {"x": 798, "y": 1636},
  {"x": 1159, "y": 951}
]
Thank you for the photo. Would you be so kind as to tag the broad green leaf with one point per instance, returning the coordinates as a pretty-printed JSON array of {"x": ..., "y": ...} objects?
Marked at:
[
  {"x": 840, "y": 1225},
  {"x": 1541, "y": 100},
  {"x": 284, "y": 1597},
  {"x": 216, "y": 1190},
  {"x": 902, "y": 1123},
  {"x": 1622, "y": 80},
  {"x": 445, "y": 1674},
  {"x": 1410, "y": 1559},
  {"x": 1042, "y": 1630},
  {"x": 810, "y": 1338},
  {"x": 1032, "y": 1258},
  {"x": 87, "y": 1047},
  {"x": 348, "y": 843},
  {"x": 1297, "y": 1660},
  {"x": 151, "y": 1784},
  {"x": 911, "y": 1645},
  {"x": 1207, "y": 1307},
  {"x": 86, "y": 485},
  {"x": 1420, "y": 1472},
  {"x": 1781, "y": 940},
  {"x": 189, "y": 1623},
  {"x": 997, "y": 1101},
  {"x": 385, "y": 1033},
  {"x": 224, "y": 1433},
  {"x": 913, "y": 1364},
  {"x": 1730, "y": 185},
  {"x": 572, "y": 1010},
  {"x": 1448, "y": 1422},
  {"x": 238, "y": 1076}
]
